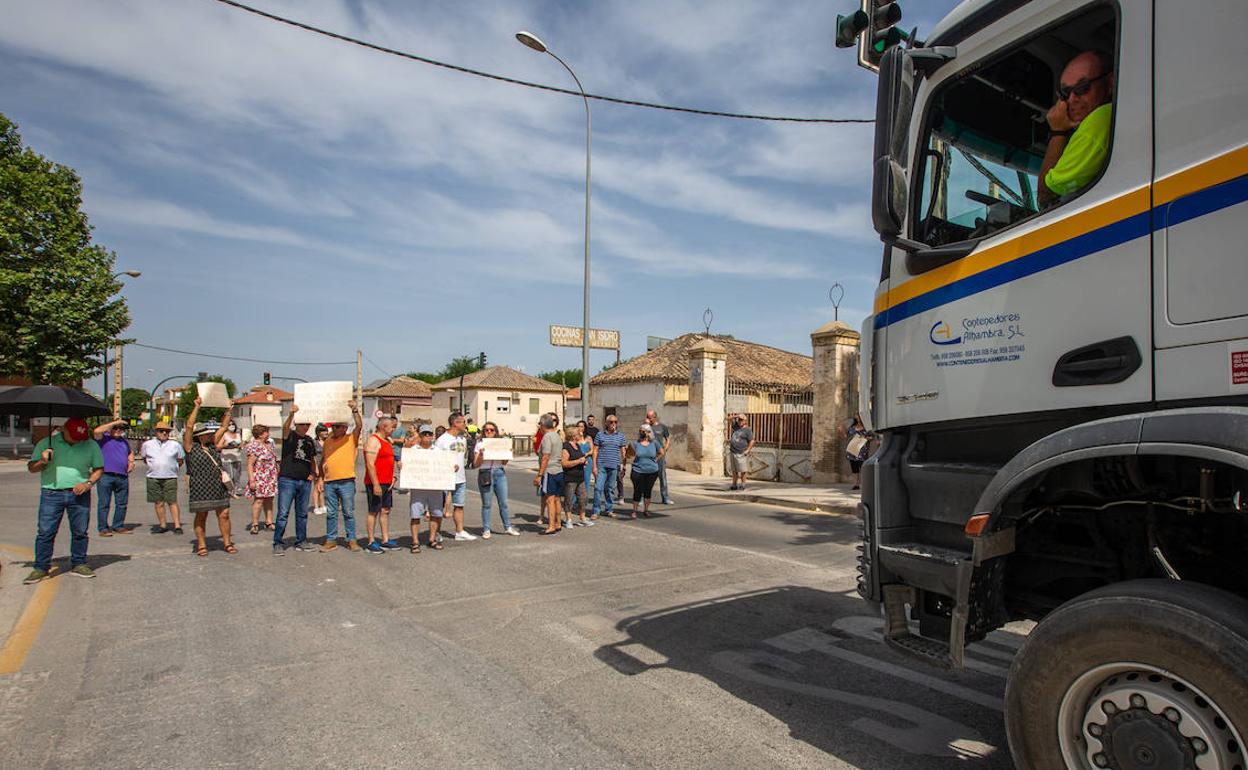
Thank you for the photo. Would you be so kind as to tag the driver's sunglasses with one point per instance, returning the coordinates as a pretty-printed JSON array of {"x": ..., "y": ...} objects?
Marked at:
[{"x": 1079, "y": 89}]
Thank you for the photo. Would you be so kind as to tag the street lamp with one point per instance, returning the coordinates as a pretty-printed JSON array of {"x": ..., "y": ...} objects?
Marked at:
[
  {"x": 532, "y": 41},
  {"x": 132, "y": 274}
]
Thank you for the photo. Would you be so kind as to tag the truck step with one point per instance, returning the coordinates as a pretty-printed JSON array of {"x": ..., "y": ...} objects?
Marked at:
[
  {"x": 897, "y": 632},
  {"x": 925, "y": 566}
]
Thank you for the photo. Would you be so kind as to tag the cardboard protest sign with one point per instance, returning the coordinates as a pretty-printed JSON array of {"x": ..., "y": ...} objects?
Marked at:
[
  {"x": 213, "y": 394},
  {"x": 267, "y": 414},
  {"x": 428, "y": 468},
  {"x": 323, "y": 401},
  {"x": 496, "y": 448}
]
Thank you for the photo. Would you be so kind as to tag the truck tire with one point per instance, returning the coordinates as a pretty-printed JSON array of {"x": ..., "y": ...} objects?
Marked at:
[{"x": 1141, "y": 674}]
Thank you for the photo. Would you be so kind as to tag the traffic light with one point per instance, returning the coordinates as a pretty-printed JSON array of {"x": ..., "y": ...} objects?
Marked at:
[
  {"x": 848, "y": 28},
  {"x": 481, "y": 360},
  {"x": 881, "y": 32},
  {"x": 268, "y": 378}
]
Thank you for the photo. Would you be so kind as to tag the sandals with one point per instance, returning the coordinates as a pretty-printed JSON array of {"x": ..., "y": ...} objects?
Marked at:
[
  {"x": 201, "y": 551},
  {"x": 254, "y": 529},
  {"x": 435, "y": 545},
  {"x": 270, "y": 526},
  {"x": 415, "y": 548},
  {"x": 230, "y": 548}
]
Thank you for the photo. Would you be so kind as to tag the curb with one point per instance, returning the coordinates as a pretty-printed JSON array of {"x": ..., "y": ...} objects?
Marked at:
[{"x": 835, "y": 509}]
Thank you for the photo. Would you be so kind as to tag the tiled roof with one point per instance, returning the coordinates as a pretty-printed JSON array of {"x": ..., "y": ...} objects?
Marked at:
[
  {"x": 399, "y": 387},
  {"x": 574, "y": 394},
  {"x": 749, "y": 363},
  {"x": 265, "y": 394},
  {"x": 501, "y": 378}
]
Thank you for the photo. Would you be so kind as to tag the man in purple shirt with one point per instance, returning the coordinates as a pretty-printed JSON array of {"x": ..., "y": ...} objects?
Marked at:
[{"x": 115, "y": 483}]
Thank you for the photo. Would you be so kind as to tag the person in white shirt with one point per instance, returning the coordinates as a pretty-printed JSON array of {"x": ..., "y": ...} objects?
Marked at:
[
  {"x": 455, "y": 440},
  {"x": 163, "y": 456}
]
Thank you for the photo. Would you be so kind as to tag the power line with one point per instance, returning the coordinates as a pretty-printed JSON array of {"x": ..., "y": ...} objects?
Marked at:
[
  {"x": 526, "y": 83},
  {"x": 378, "y": 368},
  {"x": 240, "y": 358}
]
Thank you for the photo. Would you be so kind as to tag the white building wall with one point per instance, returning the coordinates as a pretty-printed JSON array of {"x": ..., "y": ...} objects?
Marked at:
[
  {"x": 632, "y": 400},
  {"x": 520, "y": 417}
]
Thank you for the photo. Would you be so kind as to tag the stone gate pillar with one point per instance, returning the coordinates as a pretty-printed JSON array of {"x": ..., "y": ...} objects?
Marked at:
[
  {"x": 708, "y": 372},
  {"x": 835, "y": 348}
]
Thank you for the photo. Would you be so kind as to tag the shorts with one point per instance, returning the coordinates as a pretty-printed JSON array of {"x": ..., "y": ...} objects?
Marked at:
[
  {"x": 552, "y": 485},
  {"x": 384, "y": 501},
  {"x": 162, "y": 490},
  {"x": 457, "y": 497},
  {"x": 428, "y": 501},
  {"x": 738, "y": 463}
]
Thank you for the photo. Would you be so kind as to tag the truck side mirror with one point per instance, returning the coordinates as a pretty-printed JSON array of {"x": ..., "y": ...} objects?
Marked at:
[{"x": 890, "y": 188}]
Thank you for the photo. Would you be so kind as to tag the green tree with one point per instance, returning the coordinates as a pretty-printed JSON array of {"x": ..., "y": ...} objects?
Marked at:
[
  {"x": 459, "y": 366},
  {"x": 133, "y": 402},
  {"x": 61, "y": 303},
  {"x": 429, "y": 377},
  {"x": 568, "y": 377},
  {"x": 186, "y": 402}
]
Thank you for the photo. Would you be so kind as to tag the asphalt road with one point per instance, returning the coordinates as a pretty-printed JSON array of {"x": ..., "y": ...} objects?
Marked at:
[{"x": 713, "y": 635}]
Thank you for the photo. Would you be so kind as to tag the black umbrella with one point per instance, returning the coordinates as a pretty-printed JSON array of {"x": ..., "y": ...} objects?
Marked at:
[{"x": 51, "y": 401}]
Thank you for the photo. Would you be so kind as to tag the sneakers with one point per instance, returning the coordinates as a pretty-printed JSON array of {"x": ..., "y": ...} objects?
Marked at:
[
  {"x": 35, "y": 576},
  {"x": 328, "y": 546},
  {"x": 352, "y": 545},
  {"x": 279, "y": 549},
  {"x": 486, "y": 534},
  {"x": 82, "y": 571},
  {"x": 465, "y": 535},
  {"x": 318, "y": 511},
  {"x": 121, "y": 530},
  {"x": 177, "y": 530},
  {"x": 512, "y": 531},
  {"x": 733, "y": 488},
  {"x": 305, "y": 545},
  {"x": 586, "y": 523},
  {"x": 374, "y": 547},
  {"x": 669, "y": 502},
  {"x": 390, "y": 545}
]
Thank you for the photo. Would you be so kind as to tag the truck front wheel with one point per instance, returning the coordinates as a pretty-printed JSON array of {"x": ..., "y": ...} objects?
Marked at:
[{"x": 1141, "y": 674}]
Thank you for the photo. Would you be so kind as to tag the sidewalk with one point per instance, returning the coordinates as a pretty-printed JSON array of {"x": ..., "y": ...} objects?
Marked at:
[{"x": 823, "y": 498}]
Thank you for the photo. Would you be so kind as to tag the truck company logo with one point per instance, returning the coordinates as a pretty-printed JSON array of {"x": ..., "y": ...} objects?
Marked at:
[{"x": 941, "y": 334}]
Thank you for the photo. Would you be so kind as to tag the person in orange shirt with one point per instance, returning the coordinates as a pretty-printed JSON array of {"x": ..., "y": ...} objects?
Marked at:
[{"x": 338, "y": 472}]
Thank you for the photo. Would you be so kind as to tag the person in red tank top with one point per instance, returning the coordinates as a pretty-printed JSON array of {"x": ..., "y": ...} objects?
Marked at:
[{"x": 379, "y": 484}]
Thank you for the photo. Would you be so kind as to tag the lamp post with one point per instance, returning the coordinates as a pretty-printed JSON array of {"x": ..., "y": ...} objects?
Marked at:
[
  {"x": 532, "y": 41},
  {"x": 132, "y": 274}
]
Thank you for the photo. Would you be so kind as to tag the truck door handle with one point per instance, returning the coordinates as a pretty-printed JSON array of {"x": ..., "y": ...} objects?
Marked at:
[{"x": 1101, "y": 363}]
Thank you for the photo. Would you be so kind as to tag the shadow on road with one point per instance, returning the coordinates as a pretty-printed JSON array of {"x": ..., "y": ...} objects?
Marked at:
[
  {"x": 807, "y": 658},
  {"x": 817, "y": 528}
]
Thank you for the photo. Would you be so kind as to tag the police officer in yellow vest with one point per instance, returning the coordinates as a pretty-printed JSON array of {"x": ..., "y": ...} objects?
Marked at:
[{"x": 1079, "y": 125}]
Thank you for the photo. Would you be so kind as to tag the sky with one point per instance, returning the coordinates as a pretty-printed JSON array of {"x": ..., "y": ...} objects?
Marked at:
[{"x": 291, "y": 197}]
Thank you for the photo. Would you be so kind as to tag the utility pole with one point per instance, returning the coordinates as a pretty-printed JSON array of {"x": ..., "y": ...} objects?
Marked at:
[
  {"x": 117, "y": 386},
  {"x": 359, "y": 379}
]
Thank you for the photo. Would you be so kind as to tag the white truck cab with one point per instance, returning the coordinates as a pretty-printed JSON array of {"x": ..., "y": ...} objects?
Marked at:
[{"x": 1057, "y": 365}]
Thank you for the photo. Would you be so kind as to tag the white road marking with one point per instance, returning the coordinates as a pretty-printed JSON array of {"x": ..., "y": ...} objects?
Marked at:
[
  {"x": 928, "y": 734},
  {"x": 813, "y": 640},
  {"x": 867, "y": 627}
]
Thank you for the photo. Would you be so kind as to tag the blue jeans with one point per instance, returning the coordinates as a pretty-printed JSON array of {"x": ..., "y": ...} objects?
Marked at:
[
  {"x": 117, "y": 488},
  {"x": 605, "y": 485},
  {"x": 52, "y": 503},
  {"x": 497, "y": 488},
  {"x": 298, "y": 491},
  {"x": 663, "y": 495},
  {"x": 340, "y": 493}
]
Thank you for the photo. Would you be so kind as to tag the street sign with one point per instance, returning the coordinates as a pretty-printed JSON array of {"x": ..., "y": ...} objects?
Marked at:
[{"x": 570, "y": 337}]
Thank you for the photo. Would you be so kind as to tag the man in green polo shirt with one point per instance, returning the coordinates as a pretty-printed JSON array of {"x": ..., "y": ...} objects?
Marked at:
[
  {"x": 1079, "y": 125},
  {"x": 69, "y": 464}
]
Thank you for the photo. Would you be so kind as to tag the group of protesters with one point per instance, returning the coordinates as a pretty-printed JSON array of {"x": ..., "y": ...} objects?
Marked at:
[{"x": 578, "y": 480}]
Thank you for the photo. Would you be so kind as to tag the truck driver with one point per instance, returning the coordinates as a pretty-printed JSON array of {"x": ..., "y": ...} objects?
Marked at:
[{"x": 1079, "y": 125}]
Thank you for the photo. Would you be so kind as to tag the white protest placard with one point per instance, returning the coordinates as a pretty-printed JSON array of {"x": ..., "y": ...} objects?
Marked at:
[
  {"x": 428, "y": 468},
  {"x": 267, "y": 414},
  {"x": 213, "y": 394},
  {"x": 496, "y": 449},
  {"x": 323, "y": 401}
]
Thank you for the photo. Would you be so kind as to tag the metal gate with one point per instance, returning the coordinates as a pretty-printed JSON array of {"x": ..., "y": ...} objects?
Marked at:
[{"x": 782, "y": 421}]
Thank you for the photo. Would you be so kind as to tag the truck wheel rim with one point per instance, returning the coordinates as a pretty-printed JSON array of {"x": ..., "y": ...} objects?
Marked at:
[{"x": 1132, "y": 716}]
